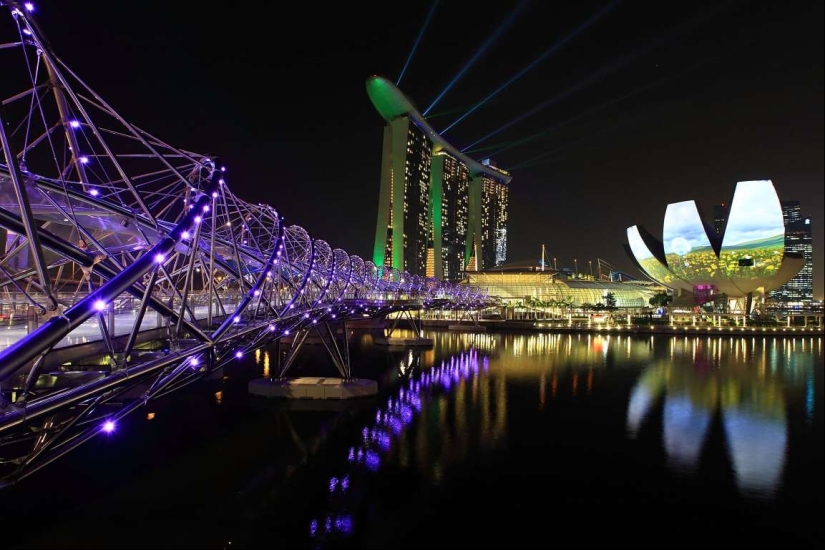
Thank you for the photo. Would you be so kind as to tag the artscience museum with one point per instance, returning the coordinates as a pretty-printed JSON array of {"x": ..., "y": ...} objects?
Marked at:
[{"x": 746, "y": 259}]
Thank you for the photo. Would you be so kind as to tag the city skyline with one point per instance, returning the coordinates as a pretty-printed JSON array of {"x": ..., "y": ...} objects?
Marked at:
[{"x": 738, "y": 96}]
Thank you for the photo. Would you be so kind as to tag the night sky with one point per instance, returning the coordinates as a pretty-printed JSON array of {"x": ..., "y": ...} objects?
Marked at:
[{"x": 653, "y": 103}]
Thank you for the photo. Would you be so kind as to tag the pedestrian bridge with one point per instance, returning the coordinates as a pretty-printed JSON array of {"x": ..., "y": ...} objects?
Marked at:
[{"x": 112, "y": 239}]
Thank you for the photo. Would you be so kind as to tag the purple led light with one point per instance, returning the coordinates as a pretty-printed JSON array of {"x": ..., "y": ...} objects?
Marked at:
[
  {"x": 197, "y": 219},
  {"x": 29, "y": 6},
  {"x": 239, "y": 354},
  {"x": 109, "y": 426},
  {"x": 84, "y": 160},
  {"x": 343, "y": 524},
  {"x": 185, "y": 235},
  {"x": 74, "y": 124},
  {"x": 94, "y": 192},
  {"x": 237, "y": 319},
  {"x": 100, "y": 305},
  {"x": 214, "y": 194},
  {"x": 286, "y": 332},
  {"x": 194, "y": 361},
  {"x": 160, "y": 258},
  {"x": 372, "y": 460}
]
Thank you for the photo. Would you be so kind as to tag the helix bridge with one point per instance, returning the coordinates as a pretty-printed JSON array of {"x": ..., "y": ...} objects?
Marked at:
[{"x": 129, "y": 269}]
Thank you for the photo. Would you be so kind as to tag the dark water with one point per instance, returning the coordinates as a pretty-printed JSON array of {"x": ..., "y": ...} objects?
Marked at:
[{"x": 485, "y": 441}]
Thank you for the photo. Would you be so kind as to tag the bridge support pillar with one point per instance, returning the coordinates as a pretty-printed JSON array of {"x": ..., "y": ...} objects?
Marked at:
[
  {"x": 417, "y": 340},
  {"x": 472, "y": 324},
  {"x": 311, "y": 387},
  {"x": 338, "y": 353}
]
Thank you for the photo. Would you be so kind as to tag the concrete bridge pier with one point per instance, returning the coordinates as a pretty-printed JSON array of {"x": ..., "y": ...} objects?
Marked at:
[
  {"x": 406, "y": 319},
  {"x": 313, "y": 387}
]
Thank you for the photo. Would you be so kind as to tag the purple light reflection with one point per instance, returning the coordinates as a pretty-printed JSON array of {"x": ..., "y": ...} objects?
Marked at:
[
  {"x": 373, "y": 461},
  {"x": 390, "y": 422}
]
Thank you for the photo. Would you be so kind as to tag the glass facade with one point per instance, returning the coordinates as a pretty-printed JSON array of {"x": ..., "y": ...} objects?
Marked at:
[
  {"x": 404, "y": 199},
  {"x": 522, "y": 287},
  {"x": 416, "y": 201},
  {"x": 798, "y": 238},
  {"x": 493, "y": 215},
  {"x": 433, "y": 212},
  {"x": 720, "y": 218},
  {"x": 455, "y": 212}
]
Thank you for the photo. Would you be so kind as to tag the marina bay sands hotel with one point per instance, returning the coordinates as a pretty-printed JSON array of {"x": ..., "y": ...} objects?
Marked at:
[{"x": 440, "y": 213}]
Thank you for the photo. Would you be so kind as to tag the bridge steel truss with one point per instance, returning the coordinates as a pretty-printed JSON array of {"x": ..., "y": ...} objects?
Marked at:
[{"x": 99, "y": 218}]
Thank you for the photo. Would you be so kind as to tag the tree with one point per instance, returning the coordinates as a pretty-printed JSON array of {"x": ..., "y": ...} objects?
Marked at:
[
  {"x": 610, "y": 301},
  {"x": 660, "y": 299}
]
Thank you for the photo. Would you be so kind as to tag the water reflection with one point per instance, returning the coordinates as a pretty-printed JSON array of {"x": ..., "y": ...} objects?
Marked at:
[
  {"x": 745, "y": 381},
  {"x": 443, "y": 402},
  {"x": 676, "y": 392}
]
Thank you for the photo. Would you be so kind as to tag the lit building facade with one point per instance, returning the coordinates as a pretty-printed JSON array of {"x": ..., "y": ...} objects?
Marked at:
[
  {"x": 403, "y": 208},
  {"x": 518, "y": 285},
  {"x": 720, "y": 217},
  {"x": 489, "y": 219},
  {"x": 437, "y": 207},
  {"x": 450, "y": 188},
  {"x": 799, "y": 291},
  {"x": 748, "y": 259}
]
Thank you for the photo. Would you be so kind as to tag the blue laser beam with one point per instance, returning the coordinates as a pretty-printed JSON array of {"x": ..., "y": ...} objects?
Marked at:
[
  {"x": 558, "y": 45},
  {"x": 502, "y": 147},
  {"x": 669, "y": 35},
  {"x": 572, "y": 145},
  {"x": 537, "y": 135},
  {"x": 484, "y": 47},
  {"x": 417, "y": 40},
  {"x": 604, "y": 71}
]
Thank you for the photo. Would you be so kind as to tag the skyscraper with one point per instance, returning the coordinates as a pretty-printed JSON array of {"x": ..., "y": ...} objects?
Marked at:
[
  {"x": 798, "y": 238},
  {"x": 489, "y": 219},
  {"x": 720, "y": 217},
  {"x": 405, "y": 176},
  {"x": 436, "y": 205},
  {"x": 451, "y": 182}
]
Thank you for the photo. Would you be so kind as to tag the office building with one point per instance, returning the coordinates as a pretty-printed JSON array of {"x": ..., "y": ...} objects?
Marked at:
[{"x": 798, "y": 239}]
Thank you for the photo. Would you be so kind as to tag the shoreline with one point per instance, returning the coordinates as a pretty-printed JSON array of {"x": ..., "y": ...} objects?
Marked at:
[{"x": 670, "y": 330}]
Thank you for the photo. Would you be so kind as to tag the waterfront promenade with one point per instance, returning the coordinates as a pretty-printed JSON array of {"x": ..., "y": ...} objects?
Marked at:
[{"x": 670, "y": 330}]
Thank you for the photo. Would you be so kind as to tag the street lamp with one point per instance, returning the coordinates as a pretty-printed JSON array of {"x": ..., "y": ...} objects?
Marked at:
[
  {"x": 554, "y": 265},
  {"x": 576, "y": 264}
]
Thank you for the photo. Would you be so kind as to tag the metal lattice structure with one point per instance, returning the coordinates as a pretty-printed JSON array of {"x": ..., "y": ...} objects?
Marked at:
[{"x": 108, "y": 232}]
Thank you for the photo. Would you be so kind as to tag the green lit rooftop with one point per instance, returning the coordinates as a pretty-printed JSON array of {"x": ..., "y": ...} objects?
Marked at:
[{"x": 391, "y": 103}]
